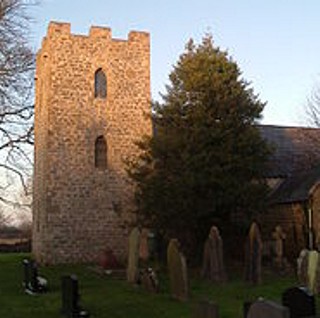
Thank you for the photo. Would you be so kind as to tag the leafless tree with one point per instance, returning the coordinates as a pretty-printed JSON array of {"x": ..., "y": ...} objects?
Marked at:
[
  {"x": 22, "y": 210},
  {"x": 16, "y": 95},
  {"x": 312, "y": 107},
  {"x": 5, "y": 218}
]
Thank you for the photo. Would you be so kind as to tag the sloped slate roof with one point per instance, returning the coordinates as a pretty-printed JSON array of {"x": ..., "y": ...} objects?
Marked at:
[
  {"x": 297, "y": 187},
  {"x": 294, "y": 149}
]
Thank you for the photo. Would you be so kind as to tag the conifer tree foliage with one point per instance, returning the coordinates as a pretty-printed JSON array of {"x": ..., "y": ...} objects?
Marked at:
[{"x": 205, "y": 160}]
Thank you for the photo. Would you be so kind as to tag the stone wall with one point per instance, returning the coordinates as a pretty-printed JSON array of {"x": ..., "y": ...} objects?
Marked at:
[
  {"x": 79, "y": 209},
  {"x": 314, "y": 202}
]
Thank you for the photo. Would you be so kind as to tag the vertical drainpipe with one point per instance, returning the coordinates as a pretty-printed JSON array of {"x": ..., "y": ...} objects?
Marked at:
[{"x": 310, "y": 224}]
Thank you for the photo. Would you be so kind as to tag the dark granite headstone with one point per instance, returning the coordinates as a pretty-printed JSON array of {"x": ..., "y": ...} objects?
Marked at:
[
  {"x": 299, "y": 302},
  {"x": 205, "y": 309},
  {"x": 32, "y": 282},
  {"x": 26, "y": 272},
  {"x": 267, "y": 309},
  {"x": 70, "y": 298},
  {"x": 246, "y": 307}
]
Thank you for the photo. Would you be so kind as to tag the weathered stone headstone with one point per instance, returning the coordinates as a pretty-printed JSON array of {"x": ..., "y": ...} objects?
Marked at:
[
  {"x": 205, "y": 309},
  {"x": 308, "y": 270},
  {"x": 300, "y": 302},
  {"x": 144, "y": 245},
  {"x": 279, "y": 236},
  {"x": 253, "y": 255},
  {"x": 213, "y": 264},
  {"x": 313, "y": 264},
  {"x": 70, "y": 298},
  {"x": 177, "y": 271},
  {"x": 149, "y": 280},
  {"x": 133, "y": 256},
  {"x": 267, "y": 309},
  {"x": 302, "y": 267}
]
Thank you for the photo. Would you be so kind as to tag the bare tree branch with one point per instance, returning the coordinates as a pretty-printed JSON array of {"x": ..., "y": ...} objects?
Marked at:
[
  {"x": 313, "y": 107},
  {"x": 17, "y": 62}
]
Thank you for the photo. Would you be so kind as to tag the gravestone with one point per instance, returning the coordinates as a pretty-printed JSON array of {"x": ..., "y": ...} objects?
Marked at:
[
  {"x": 108, "y": 260},
  {"x": 253, "y": 255},
  {"x": 313, "y": 273},
  {"x": 144, "y": 245},
  {"x": 177, "y": 271},
  {"x": 267, "y": 309},
  {"x": 245, "y": 308},
  {"x": 279, "y": 237},
  {"x": 32, "y": 282},
  {"x": 302, "y": 267},
  {"x": 213, "y": 265},
  {"x": 26, "y": 273},
  {"x": 70, "y": 298},
  {"x": 205, "y": 309},
  {"x": 149, "y": 280},
  {"x": 133, "y": 256},
  {"x": 299, "y": 301}
]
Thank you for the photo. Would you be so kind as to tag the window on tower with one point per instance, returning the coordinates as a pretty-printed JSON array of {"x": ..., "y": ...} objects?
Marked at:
[
  {"x": 100, "y": 84},
  {"x": 100, "y": 153}
]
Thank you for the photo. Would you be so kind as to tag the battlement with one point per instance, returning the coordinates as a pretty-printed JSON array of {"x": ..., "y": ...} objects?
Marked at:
[
  {"x": 100, "y": 32},
  {"x": 55, "y": 28},
  {"x": 135, "y": 36},
  {"x": 61, "y": 28}
]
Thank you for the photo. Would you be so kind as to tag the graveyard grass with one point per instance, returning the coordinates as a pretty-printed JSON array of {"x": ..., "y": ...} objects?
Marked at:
[{"x": 103, "y": 296}]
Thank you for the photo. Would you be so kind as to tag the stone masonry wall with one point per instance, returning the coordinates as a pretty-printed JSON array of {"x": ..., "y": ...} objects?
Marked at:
[
  {"x": 80, "y": 210},
  {"x": 314, "y": 202}
]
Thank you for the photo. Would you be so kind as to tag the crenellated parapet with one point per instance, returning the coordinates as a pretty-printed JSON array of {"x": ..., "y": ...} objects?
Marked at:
[{"x": 56, "y": 29}]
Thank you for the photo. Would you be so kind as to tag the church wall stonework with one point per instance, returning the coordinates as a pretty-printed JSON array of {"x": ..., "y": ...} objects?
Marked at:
[{"x": 79, "y": 209}]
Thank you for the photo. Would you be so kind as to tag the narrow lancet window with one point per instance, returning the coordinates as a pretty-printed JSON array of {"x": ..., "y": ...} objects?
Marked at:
[
  {"x": 100, "y": 84},
  {"x": 100, "y": 153}
]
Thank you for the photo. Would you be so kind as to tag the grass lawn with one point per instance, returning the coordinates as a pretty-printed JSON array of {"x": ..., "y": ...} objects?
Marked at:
[{"x": 103, "y": 296}]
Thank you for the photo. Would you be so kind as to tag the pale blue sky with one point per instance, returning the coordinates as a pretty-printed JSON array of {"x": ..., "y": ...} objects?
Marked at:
[{"x": 275, "y": 42}]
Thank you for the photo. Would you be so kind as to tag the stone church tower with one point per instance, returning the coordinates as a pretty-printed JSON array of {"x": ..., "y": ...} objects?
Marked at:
[{"x": 92, "y": 104}]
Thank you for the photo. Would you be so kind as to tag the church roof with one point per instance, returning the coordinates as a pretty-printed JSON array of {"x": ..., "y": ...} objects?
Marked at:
[
  {"x": 294, "y": 149},
  {"x": 296, "y": 188},
  {"x": 295, "y": 159}
]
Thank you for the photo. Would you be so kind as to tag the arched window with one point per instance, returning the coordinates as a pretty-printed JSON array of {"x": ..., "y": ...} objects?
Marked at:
[
  {"x": 100, "y": 153},
  {"x": 100, "y": 84}
]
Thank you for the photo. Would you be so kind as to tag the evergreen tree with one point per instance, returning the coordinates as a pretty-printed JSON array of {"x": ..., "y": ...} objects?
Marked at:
[{"x": 204, "y": 162}]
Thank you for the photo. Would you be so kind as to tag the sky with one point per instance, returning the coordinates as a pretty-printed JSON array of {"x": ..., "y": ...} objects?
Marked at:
[{"x": 275, "y": 42}]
